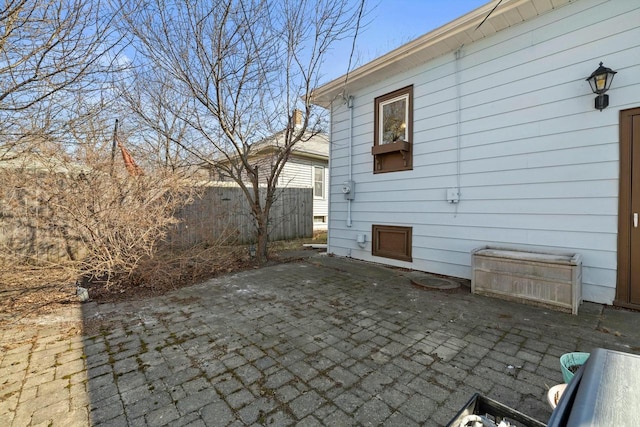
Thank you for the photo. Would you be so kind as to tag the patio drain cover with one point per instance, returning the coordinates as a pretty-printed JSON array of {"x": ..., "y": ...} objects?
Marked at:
[{"x": 431, "y": 281}]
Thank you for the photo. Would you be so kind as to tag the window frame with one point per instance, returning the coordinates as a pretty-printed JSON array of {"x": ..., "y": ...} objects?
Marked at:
[
  {"x": 395, "y": 155},
  {"x": 323, "y": 182}
]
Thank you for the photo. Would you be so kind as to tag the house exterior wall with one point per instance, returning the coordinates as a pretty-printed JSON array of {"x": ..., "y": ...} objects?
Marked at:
[
  {"x": 298, "y": 172},
  {"x": 537, "y": 164}
]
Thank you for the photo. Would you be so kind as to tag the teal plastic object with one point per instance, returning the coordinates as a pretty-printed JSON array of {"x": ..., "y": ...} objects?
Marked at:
[{"x": 568, "y": 360}]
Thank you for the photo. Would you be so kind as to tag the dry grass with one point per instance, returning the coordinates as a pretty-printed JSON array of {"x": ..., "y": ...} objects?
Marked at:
[
  {"x": 319, "y": 237},
  {"x": 28, "y": 290}
]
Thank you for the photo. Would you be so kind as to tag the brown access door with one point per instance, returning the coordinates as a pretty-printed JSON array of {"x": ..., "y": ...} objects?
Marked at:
[{"x": 628, "y": 288}]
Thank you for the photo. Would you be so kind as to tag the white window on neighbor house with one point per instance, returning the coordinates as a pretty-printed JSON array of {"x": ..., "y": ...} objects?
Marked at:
[{"x": 318, "y": 182}]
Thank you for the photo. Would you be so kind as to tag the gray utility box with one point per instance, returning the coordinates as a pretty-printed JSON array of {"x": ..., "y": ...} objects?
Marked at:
[{"x": 547, "y": 279}]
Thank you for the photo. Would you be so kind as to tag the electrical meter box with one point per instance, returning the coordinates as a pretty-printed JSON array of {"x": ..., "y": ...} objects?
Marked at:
[{"x": 349, "y": 190}]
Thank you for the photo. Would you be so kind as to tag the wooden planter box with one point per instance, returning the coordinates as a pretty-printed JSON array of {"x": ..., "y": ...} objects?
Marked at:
[
  {"x": 395, "y": 156},
  {"x": 537, "y": 278},
  {"x": 391, "y": 147}
]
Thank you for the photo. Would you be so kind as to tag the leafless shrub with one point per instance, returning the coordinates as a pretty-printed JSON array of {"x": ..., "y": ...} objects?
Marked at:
[
  {"x": 81, "y": 216},
  {"x": 171, "y": 269}
]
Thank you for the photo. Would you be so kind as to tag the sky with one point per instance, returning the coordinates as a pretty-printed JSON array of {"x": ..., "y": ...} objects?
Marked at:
[{"x": 392, "y": 23}]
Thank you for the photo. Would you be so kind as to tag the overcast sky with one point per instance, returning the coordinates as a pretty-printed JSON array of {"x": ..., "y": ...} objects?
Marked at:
[{"x": 392, "y": 23}]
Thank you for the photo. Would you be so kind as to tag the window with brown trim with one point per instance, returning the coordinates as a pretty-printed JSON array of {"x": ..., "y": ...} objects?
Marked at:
[
  {"x": 393, "y": 131},
  {"x": 392, "y": 241}
]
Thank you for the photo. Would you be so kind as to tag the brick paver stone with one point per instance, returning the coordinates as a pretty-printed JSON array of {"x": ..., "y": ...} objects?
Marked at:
[{"x": 327, "y": 341}]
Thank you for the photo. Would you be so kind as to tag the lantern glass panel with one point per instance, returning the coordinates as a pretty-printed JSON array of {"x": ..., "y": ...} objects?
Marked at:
[{"x": 601, "y": 81}]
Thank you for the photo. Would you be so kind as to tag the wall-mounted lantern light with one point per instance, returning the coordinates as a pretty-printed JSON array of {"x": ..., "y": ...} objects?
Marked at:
[{"x": 600, "y": 81}]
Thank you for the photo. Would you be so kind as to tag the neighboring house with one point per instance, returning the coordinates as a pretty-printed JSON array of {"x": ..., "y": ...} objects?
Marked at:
[
  {"x": 469, "y": 136},
  {"x": 307, "y": 167}
]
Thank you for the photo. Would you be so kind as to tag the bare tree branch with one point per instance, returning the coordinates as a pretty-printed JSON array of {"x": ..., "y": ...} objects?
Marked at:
[
  {"x": 246, "y": 65},
  {"x": 51, "y": 50}
]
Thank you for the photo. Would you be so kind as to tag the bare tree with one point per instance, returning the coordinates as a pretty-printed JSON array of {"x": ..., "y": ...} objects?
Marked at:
[
  {"x": 147, "y": 94},
  {"x": 243, "y": 66},
  {"x": 52, "y": 53}
]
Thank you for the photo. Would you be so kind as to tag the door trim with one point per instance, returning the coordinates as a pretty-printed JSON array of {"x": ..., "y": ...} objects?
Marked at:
[{"x": 623, "y": 284}]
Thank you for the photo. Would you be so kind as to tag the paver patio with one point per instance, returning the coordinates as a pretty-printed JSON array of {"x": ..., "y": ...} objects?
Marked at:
[{"x": 326, "y": 341}]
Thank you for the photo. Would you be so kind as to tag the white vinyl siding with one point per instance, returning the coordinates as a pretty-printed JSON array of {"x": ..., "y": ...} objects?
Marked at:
[
  {"x": 538, "y": 164},
  {"x": 298, "y": 172}
]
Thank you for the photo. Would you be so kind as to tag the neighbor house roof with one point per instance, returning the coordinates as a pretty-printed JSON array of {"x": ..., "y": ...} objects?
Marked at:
[
  {"x": 315, "y": 147},
  {"x": 40, "y": 162},
  {"x": 311, "y": 146},
  {"x": 438, "y": 42}
]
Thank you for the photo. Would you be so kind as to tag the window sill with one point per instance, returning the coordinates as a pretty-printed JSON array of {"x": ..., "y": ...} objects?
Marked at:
[{"x": 390, "y": 148}]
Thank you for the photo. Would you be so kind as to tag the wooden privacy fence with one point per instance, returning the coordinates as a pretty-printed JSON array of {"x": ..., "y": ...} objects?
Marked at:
[{"x": 222, "y": 215}]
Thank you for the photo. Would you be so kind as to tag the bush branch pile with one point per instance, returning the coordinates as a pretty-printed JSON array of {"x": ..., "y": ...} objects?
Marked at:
[{"x": 98, "y": 223}]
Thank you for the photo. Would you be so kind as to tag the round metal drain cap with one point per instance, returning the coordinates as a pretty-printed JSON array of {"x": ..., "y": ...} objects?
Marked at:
[{"x": 430, "y": 281}]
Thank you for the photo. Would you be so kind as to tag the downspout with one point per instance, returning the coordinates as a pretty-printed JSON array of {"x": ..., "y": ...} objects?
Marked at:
[
  {"x": 350, "y": 107},
  {"x": 329, "y": 177},
  {"x": 458, "y": 54}
]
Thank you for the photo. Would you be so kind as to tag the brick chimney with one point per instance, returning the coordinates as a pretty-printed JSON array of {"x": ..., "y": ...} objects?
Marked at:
[{"x": 297, "y": 118}]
